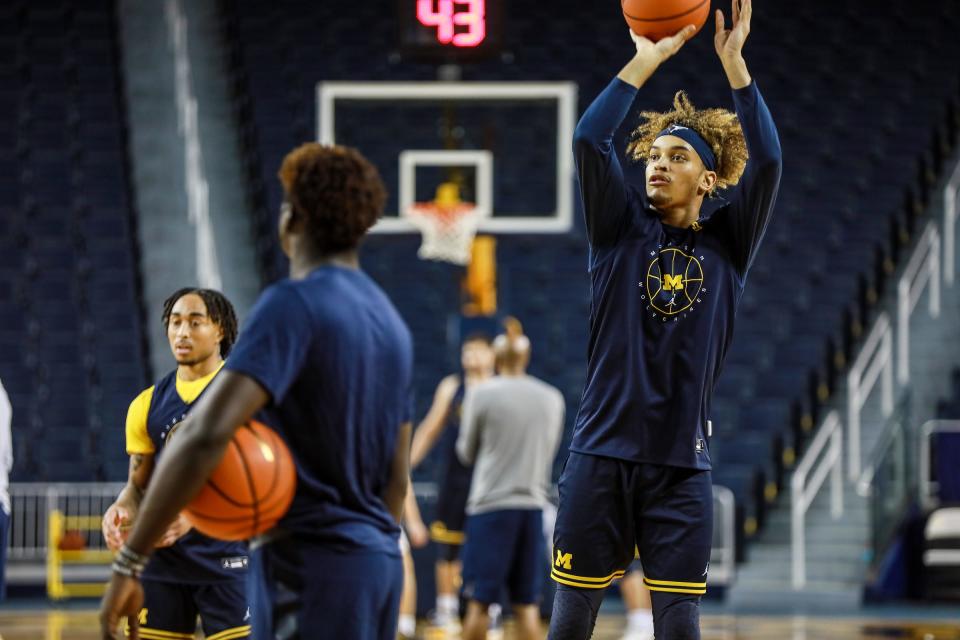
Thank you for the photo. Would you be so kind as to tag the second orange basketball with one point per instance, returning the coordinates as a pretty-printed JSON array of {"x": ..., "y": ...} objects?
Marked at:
[
  {"x": 250, "y": 490},
  {"x": 657, "y": 19}
]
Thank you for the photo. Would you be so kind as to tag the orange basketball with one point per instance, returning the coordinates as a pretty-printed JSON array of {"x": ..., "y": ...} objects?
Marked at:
[
  {"x": 250, "y": 490},
  {"x": 656, "y": 19}
]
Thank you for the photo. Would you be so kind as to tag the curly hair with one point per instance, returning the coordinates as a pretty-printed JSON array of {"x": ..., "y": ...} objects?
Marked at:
[
  {"x": 219, "y": 310},
  {"x": 718, "y": 127},
  {"x": 337, "y": 190}
]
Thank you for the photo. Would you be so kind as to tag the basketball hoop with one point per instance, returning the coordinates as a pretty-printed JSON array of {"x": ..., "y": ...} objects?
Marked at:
[{"x": 448, "y": 230}]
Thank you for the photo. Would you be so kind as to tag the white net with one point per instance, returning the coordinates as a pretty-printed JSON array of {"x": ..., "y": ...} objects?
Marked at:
[{"x": 448, "y": 231}]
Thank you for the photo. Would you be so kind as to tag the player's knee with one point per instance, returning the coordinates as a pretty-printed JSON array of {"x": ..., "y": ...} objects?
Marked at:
[
  {"x": 574, "y": 613},
  {"x": 676, "y": 616}
]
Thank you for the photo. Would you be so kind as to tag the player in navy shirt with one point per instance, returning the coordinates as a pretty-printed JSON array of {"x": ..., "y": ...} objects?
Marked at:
[
  {"x": 668, "y": 262},
  {"x": 326, "y": 360},
  {"x": 190, "y": 574},
  {"x": 442, "y": 425}
]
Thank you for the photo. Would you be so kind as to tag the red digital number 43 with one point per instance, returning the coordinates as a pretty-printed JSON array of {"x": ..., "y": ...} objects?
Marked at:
[{"x": 446, "y": 15}]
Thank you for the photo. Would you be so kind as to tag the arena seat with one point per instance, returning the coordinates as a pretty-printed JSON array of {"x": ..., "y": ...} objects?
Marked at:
[{"x": 941, "y": 554}]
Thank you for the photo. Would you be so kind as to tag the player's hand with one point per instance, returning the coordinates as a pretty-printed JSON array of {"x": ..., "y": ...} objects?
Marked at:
[
  {"x": 417, "y": 533},
  {"x": 729, "y": 42},
  {"x": 661, "y": 49},
  {"x": 177, "y": 529},
  {"x": 116, "y": 525},
  {"x": 124, "y": 597}
]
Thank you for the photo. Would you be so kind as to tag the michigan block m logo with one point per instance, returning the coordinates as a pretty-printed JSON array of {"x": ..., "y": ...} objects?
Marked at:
[
  {"x": 563, "y": 559},
  {"x": 672, "y": 282}
]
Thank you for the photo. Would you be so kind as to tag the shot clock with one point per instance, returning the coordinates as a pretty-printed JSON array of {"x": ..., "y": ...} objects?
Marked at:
[{"x": 450, "y": 30}]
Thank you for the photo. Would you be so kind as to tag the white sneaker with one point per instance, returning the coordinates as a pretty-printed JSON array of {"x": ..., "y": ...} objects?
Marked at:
[
  {"x": 637, "y": 635},
  {"x": 495, "y": 630},
  {"x": 445, "y": 623}
]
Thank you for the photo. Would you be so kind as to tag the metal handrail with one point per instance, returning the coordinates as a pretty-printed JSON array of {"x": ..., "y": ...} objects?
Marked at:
[
  {"x": 894, "y": 429},
  {"x": 723, "y": 558},
  {"x": 875, "y": 357},
  {"x": 33, "y": 502},
  {"x": 950, "y": 224},
  {"x": 922, "y": 269},
  {"x": 926, "y": 486},
  {"x": 829, "y": 442}
]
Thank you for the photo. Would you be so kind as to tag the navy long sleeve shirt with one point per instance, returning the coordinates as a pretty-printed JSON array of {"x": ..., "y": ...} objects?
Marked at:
[{"x": 663, "y": 299}]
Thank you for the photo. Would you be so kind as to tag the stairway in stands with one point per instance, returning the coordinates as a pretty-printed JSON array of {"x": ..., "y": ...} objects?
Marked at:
[{"x": 839, "y": 551}]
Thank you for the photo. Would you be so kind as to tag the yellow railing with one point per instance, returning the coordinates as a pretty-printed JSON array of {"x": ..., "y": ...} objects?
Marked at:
[{"x": 57, "y": 525}]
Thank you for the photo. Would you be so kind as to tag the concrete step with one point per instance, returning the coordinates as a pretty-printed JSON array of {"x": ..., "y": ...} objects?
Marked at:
[
  {"x": 839, "y": 552},
  {"x": 777, "y": 595},
  {"x": 846, "y": 567},
  {"x": 815, "y": 535},
  {"x": 818, "y": 516}
]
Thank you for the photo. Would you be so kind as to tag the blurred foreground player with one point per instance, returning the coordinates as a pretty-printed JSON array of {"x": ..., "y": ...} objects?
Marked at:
[
  {"x": 190, "y": 573},
  {"x": 442, "y": 423},
  {"x": 512, "y": 425},
  {"x": 668, "y": 272},
  {"x": 327, "y": 361}
]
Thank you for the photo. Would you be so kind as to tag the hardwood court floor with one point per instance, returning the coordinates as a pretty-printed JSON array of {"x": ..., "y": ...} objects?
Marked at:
[{"x": 82, "y": 625}]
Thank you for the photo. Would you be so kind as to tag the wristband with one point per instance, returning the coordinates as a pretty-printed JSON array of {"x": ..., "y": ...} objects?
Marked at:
[{"x": 129, "y": 563}]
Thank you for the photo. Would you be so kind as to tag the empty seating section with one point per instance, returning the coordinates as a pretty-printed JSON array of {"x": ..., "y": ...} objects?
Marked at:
[
  {"x": 860, "y": 148},
  {"x": 71, "y": 353}
]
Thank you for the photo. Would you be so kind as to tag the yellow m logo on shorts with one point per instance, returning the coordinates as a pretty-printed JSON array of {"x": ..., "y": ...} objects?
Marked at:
[
  {"x": 563, "y": 560},
  {"x": 143, "y": 616},
  {"x": 671, "y": 282}
]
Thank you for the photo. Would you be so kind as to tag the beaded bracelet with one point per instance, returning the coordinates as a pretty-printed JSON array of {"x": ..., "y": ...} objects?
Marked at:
[{"x": 129, "y": 563}]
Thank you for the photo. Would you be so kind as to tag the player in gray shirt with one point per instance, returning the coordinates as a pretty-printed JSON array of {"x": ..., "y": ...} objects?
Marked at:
[{"x": 510, "y": 432}]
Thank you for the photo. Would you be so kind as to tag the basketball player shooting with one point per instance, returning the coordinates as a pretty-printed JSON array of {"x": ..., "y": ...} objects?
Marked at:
[
  {"x": 326, "y": 360},
  {"x": 190, "y": 573},
  {"x": 668, "y": 262}
]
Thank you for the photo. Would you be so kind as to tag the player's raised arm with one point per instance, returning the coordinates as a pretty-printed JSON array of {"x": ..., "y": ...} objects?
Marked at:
[
  {"x": 432, "y": 425},
  {"x": 753, "y": 199},
  {"x": 468, "y": 442},
  {"x": 651, "y": 55},
  {"x": 602, "y": 188},
  {"x": 729, "y": 42}
]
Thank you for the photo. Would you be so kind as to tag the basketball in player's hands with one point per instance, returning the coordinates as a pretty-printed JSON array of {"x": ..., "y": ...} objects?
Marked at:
[
  {"x": 658, "y": 19},
  {"x": 250, "y": 490}
]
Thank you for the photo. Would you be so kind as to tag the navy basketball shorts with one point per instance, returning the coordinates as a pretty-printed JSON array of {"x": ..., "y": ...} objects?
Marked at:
[
  {"x": 447, "y": 528},
  {"x": 170, "y": 610},
  {"x": 314, "y": 593},
  {"x": 611, "y": 509},
  {"x": 504, "y": 549}
]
